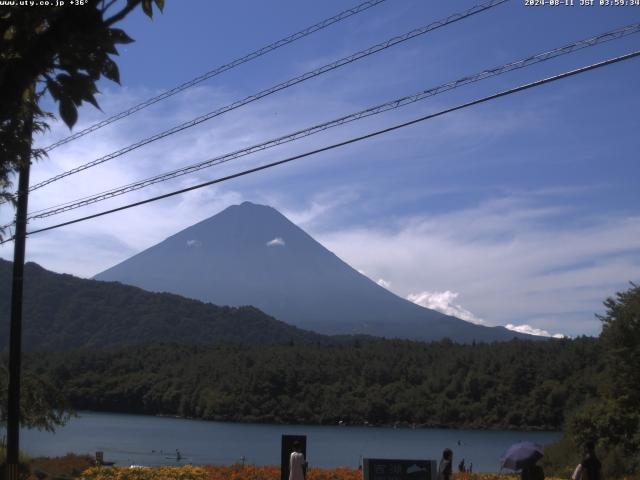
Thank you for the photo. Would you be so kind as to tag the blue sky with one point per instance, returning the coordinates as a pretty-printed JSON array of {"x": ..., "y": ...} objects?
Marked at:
[{"x": 524, "y": 211}]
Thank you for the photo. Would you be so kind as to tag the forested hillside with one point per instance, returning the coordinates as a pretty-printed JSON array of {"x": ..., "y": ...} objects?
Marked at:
[
  {"x": 64, "y": 312},
  {"x": 518, "y": 384}
]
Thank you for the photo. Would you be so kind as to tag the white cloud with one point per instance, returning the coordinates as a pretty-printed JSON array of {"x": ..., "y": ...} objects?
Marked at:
[
  {"x": 276, "y": 242},
  {"x": 194, "y": 243},
  {"x": 532, "y": 330},
  {"x": 444, "y": 302},
  {"x": 509, "y": 257},
  {"x": 383, "y": 283}
]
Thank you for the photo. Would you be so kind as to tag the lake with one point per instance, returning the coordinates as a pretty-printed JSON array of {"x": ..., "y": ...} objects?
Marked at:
[{"x": 147, "y": 440}]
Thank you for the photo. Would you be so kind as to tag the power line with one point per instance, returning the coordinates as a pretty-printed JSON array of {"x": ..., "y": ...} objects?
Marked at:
[
  {"x": 347, "y": 142},
  {"x": 217, "y": 71},
  {"x": 390, "y": 105},
  {"x": 281, "y": 86}
]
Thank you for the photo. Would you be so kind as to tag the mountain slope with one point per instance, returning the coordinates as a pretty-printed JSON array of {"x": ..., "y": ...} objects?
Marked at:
[
  {"x": 63, "y": 312},
  {"x": 252, "y": 255}
]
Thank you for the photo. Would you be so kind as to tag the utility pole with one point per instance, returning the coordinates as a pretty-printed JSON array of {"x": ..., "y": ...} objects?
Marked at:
[{"x": 15, "y": 335}]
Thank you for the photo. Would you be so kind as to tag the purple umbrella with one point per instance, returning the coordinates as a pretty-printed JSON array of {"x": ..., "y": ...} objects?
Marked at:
[{"x": 521, "y": 455}]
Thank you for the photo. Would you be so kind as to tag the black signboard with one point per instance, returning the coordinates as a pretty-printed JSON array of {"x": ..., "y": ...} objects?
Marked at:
[
  {"x": 285, "y": 452},
  {"x": 398, "y": 469}
]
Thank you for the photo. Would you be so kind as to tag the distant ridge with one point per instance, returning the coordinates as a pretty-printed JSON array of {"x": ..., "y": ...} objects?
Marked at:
[
  {"x": 63, "y": 312},
  {"x": 251, "y": 254}
]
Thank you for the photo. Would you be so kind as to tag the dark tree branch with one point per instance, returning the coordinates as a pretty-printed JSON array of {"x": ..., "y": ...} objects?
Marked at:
[
  {"x": 108, "y": 5},
  {"x": 122, "y": 13}
]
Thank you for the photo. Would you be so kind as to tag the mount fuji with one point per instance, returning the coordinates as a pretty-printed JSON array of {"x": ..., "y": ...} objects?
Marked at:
[{"x": 251, "y": 254}]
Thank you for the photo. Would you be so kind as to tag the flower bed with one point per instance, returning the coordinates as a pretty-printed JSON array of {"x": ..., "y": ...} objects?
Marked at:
[
  {"x": 187, "y": 472},
  {"x": 238, "y": 472}
]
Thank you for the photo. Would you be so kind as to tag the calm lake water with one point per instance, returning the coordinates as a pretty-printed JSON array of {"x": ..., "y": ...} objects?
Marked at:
[{"x": 146, "y": 440}]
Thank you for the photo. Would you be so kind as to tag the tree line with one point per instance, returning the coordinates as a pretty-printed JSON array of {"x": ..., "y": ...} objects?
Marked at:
[{"x": 515, "y": 385}]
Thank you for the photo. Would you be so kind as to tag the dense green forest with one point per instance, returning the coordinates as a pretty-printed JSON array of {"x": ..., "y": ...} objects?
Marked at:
[
  {"x": 517, "y": 384},
  {"x": 65, "y": 312}
]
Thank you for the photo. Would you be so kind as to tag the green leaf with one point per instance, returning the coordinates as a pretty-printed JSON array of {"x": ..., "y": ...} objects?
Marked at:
[
  {"x": 110, "y": 48},
  {"x": 63, "y": 78},
  {"x": 65, "y": 82},
  {"x": 94, "y": 70},
  {"x": 87, "y": 89},
  {"x": 9, "y": 33},
  {"x": 92, "y": 100},
  {"x": 118, "y": 36},
  {"x": 160, "y": 4},
  {"x": 104, "y": 42},
  {"x": 68, "y": 112},
  {"x": 77, "y": 86},
  {"x": 110, "y": 70},
  {"x": 54, "y": 88},
  {"x": 147, "y": 8}
]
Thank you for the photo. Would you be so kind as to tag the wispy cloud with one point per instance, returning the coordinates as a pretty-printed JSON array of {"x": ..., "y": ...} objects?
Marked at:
[{"x": 318, "y": 209}]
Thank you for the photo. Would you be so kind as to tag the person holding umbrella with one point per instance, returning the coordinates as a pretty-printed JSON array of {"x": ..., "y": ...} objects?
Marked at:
[
  {"x": 591, "y": 466},
  {"x": 532, "y": 472},
  {"x": 523, "y": 456}
]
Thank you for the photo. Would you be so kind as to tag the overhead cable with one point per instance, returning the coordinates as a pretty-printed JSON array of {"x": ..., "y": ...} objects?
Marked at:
[
  {"x": 346, "y": 142},
  {"x": 217, "y": 71},
  {"x": 390, "y": 105},
  {"x": 281, "y": 86}
]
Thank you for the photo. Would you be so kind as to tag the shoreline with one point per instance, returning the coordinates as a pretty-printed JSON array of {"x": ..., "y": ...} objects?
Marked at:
[{"x": 395, "y": 425}]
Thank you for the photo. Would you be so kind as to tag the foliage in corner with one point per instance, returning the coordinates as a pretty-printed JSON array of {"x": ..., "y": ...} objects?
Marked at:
[
  {"x": 67, "y": 50},
  {"x": 621, "y": 338},
  {"x": 613, "y": 418},
  {"x": 62, "y": 51}
]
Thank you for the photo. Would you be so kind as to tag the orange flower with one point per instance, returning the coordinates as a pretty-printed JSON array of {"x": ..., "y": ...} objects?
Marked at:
[{"x": 247, "y": 472}]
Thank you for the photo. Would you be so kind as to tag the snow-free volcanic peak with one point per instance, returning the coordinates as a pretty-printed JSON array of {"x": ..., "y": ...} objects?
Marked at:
[{"x": 251, "y": 254}]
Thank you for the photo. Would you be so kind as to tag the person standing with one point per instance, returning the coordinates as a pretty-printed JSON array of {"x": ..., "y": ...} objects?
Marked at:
[
  {"x": 591, "y": 466},
  {"x": 532, "y": 472},
  {"x": 297, "y": 464},
  {"x": 444, "y": 469}
]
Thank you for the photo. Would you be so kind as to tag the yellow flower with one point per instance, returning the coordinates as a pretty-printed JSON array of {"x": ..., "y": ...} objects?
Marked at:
[{"x": 247, "y": 472}]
